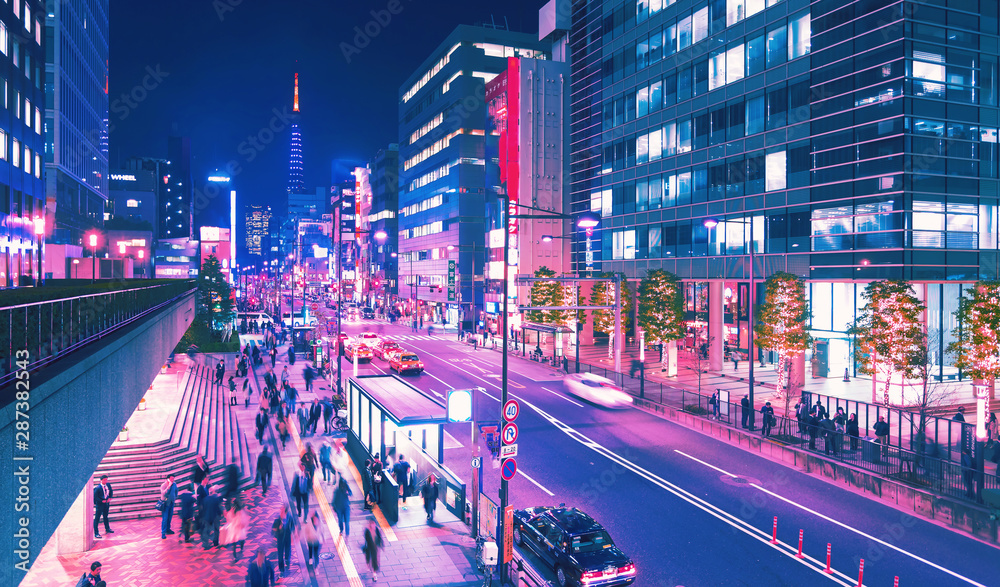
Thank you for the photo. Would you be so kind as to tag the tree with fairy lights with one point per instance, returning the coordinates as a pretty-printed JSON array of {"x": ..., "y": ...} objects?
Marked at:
[
  {"x": 782, "y": 326},
  {"x": 889, "y": 337},
  {"x": 547, "y": 293},
  {"x": 603, "y": 294},
  {"x": 977, "y": 346},
  {"x": 661, "y": 307}
]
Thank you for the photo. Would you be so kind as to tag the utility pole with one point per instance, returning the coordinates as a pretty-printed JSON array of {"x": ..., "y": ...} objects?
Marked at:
[{"x": 503, "y": 393}]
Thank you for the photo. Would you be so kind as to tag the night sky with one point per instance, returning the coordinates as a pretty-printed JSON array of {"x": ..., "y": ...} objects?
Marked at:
[{"x": 226, "y": 65}]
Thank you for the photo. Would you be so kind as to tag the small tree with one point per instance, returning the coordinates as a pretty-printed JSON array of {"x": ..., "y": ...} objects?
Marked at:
[
  {"x": 930, "y": 393},
  {"x": 661, "y": 307},
  {"x": 603, "y": 294},
  {"x": 215, "y": 302},
  {"x": 782, "y": 326},
  {"x": 547, "y": 293},
  {"x": 888, "y": 335},
  {"x": 976, "y": 346}
]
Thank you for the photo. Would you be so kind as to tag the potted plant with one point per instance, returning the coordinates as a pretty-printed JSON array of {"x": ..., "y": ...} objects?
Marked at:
[
  {"x": 142, "y": 404},
  {"x": 123, "y": 435}
]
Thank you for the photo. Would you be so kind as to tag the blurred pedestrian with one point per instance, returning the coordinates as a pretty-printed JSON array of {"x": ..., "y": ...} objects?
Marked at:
[
  {"x": 311, "y": 462},
  {"x": 308, "y": 376},
  {"x": 303, "y": 415},
  {"x": 968, "y": 473},
  {"x": 93, "y": 578},
  {"x": 313, "y": 534},
  {"x": 232, "y": 483},
  {"x": 430, "y": 494},
  {"x": 210, "y": 518},
  {"x": 186, "y": 515},
  {"x": 342, "y": 506},
  {"x": 314, "y": 415},
  {"x": 327, "y": 415},
  {"x": 714, "y": 402},
  {"x": 325, "y": 463},
  {"x": 260, "y": 572},
  {"x": 735, "y": 356},
  {"x": 234, "y": 532},
  {"x": 274, "y": 356},
  {"x": 991, "y": 429},
  {"x": 401, "y": 471},
  {"x": 282, "y": 427},
  {"x": 261, "y": 421},
  {"x": 282, "y": 529},
  {"x": 264, "y": 469},
  {"x": 246, "y": 393},
  {"x": 373, "y": 543},
  {"x": 300, "y": 491},
  {"x": 168, "y": 495}
]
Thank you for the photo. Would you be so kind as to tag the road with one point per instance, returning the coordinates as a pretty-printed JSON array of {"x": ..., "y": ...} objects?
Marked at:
[{"x": 689, "y": 509}]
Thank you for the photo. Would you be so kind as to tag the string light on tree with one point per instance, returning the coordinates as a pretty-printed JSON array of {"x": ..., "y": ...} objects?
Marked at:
[{"x": 783, "y": 325}]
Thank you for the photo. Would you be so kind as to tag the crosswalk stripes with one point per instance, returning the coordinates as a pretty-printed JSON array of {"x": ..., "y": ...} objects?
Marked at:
[{"x": 416, "y": 337}]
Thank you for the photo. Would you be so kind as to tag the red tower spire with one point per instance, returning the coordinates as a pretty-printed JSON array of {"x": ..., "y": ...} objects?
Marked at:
[{"x": 295, "y": 105}]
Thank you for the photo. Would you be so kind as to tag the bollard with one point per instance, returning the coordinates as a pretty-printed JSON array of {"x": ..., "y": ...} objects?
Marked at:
[
  {"x": 799, "y": 555},
  {"x": 774, "y": 531},
  {"x": 828, "y": 549},
  {"x": 895, "y": 582},
  {"x": 861, "y": 572}
]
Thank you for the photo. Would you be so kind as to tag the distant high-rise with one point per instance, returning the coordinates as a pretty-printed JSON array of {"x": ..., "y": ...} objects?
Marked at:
[
  {"x": 176, "y": 205},
  {"x": 76, "y": 115},
  {"x": 258, "y": 226},
  {"x": 296, "y": 184}
]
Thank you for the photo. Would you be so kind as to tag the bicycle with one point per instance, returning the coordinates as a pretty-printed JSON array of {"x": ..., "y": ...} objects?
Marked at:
[{"x": 486, "y": 559}]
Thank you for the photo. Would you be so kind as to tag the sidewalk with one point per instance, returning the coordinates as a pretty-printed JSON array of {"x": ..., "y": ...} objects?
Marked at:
[{"x": 415, "y": 553}]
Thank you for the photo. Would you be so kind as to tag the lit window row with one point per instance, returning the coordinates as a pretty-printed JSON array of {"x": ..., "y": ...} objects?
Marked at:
[
  {"x": 422, "y": 230},
  {"x": 429, "y": 75},
  {"x": 431, "y": 176},
  {"x": 427, "y": 204},
  {"x": 427, "y": 127},
  {"x": 494, "y": 50},
  {"x": 430, "y": 151}
]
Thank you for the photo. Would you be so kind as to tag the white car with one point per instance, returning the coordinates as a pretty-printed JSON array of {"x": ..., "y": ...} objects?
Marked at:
[
  {"x": 596, "y": 389},
  {"x": 368, "y": 338}
]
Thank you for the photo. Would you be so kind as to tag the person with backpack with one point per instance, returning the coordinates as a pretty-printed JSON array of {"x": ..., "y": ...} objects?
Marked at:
[{"x": 93, "y": 578}]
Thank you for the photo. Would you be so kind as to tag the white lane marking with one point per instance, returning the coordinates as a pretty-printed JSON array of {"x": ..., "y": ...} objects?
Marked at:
[
  {"x": 537, "y": 484},
  {"x": 704, "y": 463},
  {"x": 841, "y": 524},
  {"x": 870, "y": 537},
  {"x": 445, "y": 382},
  {"x": 561, "y": 396},
  {"x": 722, "y": 515},
  {"x": 436, "y": 393},
  {"x": 467, "y": 373}
]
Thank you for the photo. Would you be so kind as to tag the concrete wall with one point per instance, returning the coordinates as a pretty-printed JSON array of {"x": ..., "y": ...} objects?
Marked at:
[
  {"x": 76, "y": 408},
  {"x": 958, "y": 515}
]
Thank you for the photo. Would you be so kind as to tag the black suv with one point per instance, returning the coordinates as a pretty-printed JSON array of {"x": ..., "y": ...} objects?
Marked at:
[
  {"x": 578, "y": 549},
  {"x": 368, "y": 313}
]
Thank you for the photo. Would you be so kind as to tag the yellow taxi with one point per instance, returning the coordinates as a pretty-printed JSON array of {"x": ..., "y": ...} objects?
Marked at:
[
  {"x": 406, "y": 362},
  {"x": 359, "y": 350}
]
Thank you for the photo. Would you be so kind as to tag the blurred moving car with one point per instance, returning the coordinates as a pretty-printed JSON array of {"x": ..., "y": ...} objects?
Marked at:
[
  {"x": 574, "y": 545},
  {"x": 406, "y": 362},
  {"x": 596, "y": 389},
  {"x": 368, "y": 313},
  {"x": 342, "y": 341},
  {"x": 368, "y": 338},
  {"x": 385, "y": 348},
  {"x": 360, "y": 350}
]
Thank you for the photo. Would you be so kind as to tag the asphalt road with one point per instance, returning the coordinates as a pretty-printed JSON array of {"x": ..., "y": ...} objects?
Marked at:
[{"x": 689, "y": 509}]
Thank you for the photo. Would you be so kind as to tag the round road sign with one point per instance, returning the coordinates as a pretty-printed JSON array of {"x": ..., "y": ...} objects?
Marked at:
[
  {"x": 510, "y": 433},
  {"x": 510, "y": 410},
  {"x": 477, "y": 462},
  {"x": 508, "y": 469},
  {"x": 314, "y": 306}
]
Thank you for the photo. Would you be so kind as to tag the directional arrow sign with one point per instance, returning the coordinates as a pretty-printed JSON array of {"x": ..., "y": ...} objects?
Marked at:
[
  {"x": 510, "y": 433},
  {"x": 508, "y": 469}
]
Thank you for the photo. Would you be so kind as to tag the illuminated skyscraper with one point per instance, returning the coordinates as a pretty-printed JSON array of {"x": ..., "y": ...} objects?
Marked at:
[
  {"x": 258, "y": 222},
  {"x": 296, "y": 185}
]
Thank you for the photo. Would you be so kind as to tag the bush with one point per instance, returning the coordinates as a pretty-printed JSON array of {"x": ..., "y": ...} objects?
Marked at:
[
  {"x": 695, "y": 409},
  {"x": 207, "y": 340}
]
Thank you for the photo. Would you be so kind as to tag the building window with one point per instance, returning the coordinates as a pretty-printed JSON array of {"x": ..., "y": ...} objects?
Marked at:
[
  {"x": 27, "y": 17},
  {"x": 3, "y": 145},
  {"x": 27, "y": 160},
  {"x": 15, "y": 152},
  {"x": 3, "y": 38},
  {"x": 38, "y": 166},
  {"x": 775, "y": 166},
  {"x": 131, "y": 203},
  {"x": 777, "y": 46},
  {"x": 799, "y": 33}
]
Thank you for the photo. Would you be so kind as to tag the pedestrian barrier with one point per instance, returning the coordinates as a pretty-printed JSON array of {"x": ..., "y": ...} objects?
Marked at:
[
  {"x": 799, "y": 555},
  {"x": 861, "y": 572},
  {"x": 524, "y": 573},
  {"x": 774, "y": 531},
  {"x": 829, "y": 549}
]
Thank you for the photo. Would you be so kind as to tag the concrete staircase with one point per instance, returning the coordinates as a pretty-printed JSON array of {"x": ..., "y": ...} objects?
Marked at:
[{"x": 205, "y": 424}]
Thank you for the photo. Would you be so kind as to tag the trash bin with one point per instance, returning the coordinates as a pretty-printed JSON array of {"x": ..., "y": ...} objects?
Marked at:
[{"x": 871, "y": 451}]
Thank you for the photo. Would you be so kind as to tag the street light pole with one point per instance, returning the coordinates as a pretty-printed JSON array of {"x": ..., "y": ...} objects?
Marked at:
[{"x": 504, "y": 301}]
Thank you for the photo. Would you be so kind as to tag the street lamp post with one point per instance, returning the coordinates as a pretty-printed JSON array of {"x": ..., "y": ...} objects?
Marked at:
[
  {"x": 380, "y": 235},
  {"x": 39, "y": 235},
  {"x": 474, "y": 311},
  {"x": 92, "y": 238}
]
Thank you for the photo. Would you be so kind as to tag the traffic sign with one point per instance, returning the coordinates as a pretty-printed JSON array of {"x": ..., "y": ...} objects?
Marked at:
[
  {"x": 508, "y": 451},
  {"x": 510, "y": 410},
  {"x": 314, "y": 306},
  {"x": 508, "y": 534},
  {"x": 477, "y": 462},
  {"x": 508, "y": 468},
  {"x": 510, "y": 433}
]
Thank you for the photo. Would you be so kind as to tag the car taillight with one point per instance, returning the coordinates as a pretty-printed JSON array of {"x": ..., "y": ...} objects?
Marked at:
[
  {"x": 590, "y": 576},
  {"x": 628, "y": 569}
]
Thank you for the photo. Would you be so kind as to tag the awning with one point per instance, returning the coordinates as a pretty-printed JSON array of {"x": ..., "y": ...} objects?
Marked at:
[
  {"x": 546, "y": 328},
  {"x": 401, "y": 403}
]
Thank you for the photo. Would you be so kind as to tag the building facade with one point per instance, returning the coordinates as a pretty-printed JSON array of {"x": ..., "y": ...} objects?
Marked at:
[
  {"x": 76, "y": 115},
  {"x": 841, "y": 141},
  {"x": 257, "y": 228},
  {"x": 384, "y": 178},
  {"x": 133, "y": 197},
  {"x": 23, "y": 224},
  {"x": 442, "y": 189}
]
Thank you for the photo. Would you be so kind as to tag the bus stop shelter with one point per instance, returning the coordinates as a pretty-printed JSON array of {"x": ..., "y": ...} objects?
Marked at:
[
  {"x": 388, "y": 416},
  {"x": 552, "y": 349}
]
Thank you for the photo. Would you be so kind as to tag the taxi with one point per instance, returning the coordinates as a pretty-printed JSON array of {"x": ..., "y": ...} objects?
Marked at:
[{"x": 406, "y": 362}]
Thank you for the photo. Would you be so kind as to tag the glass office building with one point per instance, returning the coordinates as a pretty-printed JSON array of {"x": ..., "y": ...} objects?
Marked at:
[{"x": 843, "y": 141}]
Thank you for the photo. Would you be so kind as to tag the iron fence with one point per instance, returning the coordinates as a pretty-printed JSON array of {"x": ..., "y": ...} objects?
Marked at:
[{"x": 38, "y": 333}]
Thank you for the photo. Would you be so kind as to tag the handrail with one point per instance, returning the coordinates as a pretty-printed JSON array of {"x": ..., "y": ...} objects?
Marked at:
[{"x": 80, "y": 297}]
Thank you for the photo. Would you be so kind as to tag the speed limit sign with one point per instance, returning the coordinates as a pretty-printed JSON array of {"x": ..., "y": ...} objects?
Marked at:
[{"x": 510, "y": 410}]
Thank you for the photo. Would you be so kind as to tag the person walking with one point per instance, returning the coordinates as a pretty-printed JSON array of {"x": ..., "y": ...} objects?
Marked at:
[
  {"x": 735, "y": 356},
  {"x": 284, "y": 526},
  {"x": 220, "y": 372},
  {"x": 325, "y": 463},
  {"x": 261, "y": 421},
  {"x": 342, "y": 506},
  {"x": 300, "y": 491},
  {"x": 852, "y": 430},
  {"x": 882, "y": 434},
  {"x": 373, "y": 543},
  {"x": 186, "y": 515},
  {"x": 714, "y": 402},
  {"x": 199, "y": 470},
  {"x": 303, "y": 415},
  {"x": 93, "y": 578},
  {"x": 314, "y": 414},
  {"x": 959, "y": 415},
  {"x": 260, "y": 572},
  {"x": 430, "y": 494},
  {"x": 968, "y": 473},
  {"x": 313, "y": 535},
  {"x": 264, "y": 469},
  {"x": 282, "y": 428},
  {"x": 829, "y": 432},
  {"x": 234, "y": 532},
  {"x": 232, "y": 390},
  {"x": 274, "y": 356},
  {"x": 800, "y": 416},
  {"x": 291, "y": 395},
  {"x": 745, "y": 411},
  {"x": 102, "y": 505},
  {"x": 232, "y": 480},
  {"x": 767, "y": 419},
  {"x": 246, "y": 393},
  {"x": 210, "y": 519},
  {"x": 311, "y": 461},
  {"x": 401, "y": 471},
  {"x": 308, "y": 376},
  {"x": 168, "y": 495},
  {"x": 327, "y": 415},
  {"x": 291, "y": 355}
]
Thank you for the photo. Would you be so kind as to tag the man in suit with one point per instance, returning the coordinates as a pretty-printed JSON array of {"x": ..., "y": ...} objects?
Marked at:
[
  {"x": 264, "y": 466},
  {"x": 102, "y": 505},
  {"x": 199, "y": 470},
  {"x": 314, "y": 414},
  {"x": 211, "y": 512},
  {"x": 283, "y": 528},
  {"x": 260, "y": 573},
  {"x": 300, "y": 489}
]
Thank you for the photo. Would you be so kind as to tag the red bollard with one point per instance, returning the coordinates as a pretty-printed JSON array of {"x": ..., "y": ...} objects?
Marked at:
[
  {"x": 774, "y": 531},
  {"x": 828, "y": 549},
  {"x": 799, "y": 555},
  {"x": 861, "y": 572},
  {"x": 895, "y": 582}
]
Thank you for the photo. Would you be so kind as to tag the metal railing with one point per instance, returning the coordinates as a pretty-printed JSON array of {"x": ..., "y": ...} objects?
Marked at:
[
  {"x": 39, "y": 333},
  {"x": 924, "y": 464}
]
